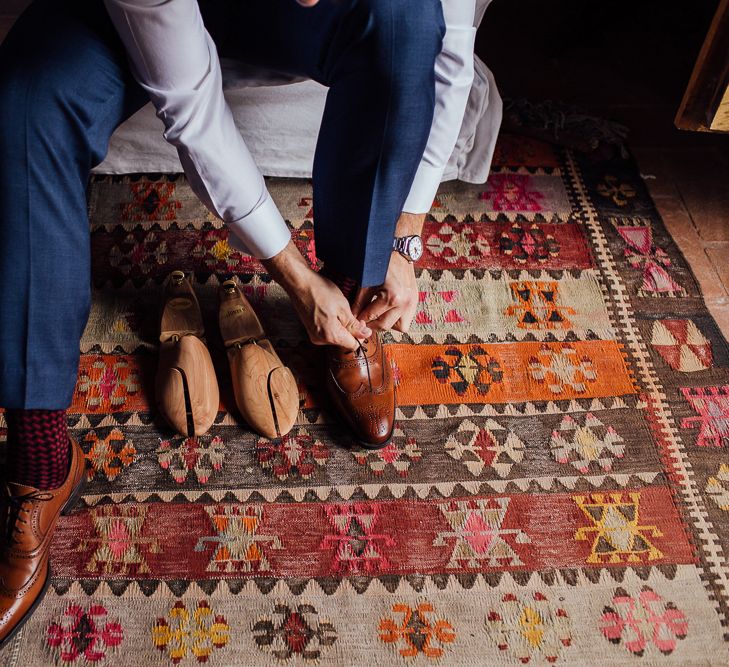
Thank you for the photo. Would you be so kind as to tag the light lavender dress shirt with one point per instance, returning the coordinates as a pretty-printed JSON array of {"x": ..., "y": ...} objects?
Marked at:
[{"x": 175, "y": 60}]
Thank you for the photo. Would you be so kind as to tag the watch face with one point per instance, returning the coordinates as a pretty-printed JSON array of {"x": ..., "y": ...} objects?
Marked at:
[{"x": 415, "y": 248}]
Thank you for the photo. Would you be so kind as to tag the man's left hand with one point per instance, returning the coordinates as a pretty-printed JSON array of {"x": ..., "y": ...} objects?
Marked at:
[{"x": 393, "y": 304}]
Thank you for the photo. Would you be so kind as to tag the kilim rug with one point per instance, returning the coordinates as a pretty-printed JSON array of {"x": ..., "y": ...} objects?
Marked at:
[{"x": 557, "y": 490}]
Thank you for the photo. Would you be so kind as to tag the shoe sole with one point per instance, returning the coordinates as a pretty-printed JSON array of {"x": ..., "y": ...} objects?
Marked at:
[
  {"x": 67, "y": 509},
  {"x": 75, "y": 496}
]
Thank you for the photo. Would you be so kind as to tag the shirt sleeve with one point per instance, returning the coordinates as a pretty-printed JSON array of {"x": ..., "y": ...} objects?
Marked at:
[
  {"x": 175, "y": 60},
  {"x": 453, "y": 79}
]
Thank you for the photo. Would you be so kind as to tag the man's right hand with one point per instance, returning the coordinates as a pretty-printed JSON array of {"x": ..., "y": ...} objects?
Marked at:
[{"x": 319, "y": 303}]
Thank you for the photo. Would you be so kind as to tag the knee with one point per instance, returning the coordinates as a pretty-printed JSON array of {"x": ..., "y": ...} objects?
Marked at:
[
  {"x": 13, "y": 93},
  {"x": 59, "y": 82},
  {"x": 411, "y": 30},
  {"x": 47, "y": 109},
  {"x": 32, "y": 95},
  {"x": 414, "y": 21}
]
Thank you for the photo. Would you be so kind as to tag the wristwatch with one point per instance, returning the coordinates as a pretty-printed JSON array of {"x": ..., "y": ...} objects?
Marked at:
[{"x": 410, "y": 247}]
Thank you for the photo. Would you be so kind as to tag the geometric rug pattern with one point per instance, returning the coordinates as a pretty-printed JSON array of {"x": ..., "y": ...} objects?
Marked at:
[{"x": 556, "y": 492}]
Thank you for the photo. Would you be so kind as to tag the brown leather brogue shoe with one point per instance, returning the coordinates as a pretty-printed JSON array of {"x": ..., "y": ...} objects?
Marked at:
[
  {"x": 28, "y": 517},
  {"x": 361, "y": 385}
]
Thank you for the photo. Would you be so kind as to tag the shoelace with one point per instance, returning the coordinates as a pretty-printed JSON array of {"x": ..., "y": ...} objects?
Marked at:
[
  {"x": 15, "y": 506},
  {"x": 362, "y": 349}
]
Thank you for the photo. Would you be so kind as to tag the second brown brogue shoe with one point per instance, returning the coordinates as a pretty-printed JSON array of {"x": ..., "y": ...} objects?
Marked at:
[
  {"x": 28, "y": 518},
  {"x": 361, "y": 385}
]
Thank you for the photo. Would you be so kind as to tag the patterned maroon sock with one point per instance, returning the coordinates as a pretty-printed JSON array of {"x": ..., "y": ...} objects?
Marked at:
[
  {"x": 349, "y": 286},
  {"x": 38, "y": 448}
]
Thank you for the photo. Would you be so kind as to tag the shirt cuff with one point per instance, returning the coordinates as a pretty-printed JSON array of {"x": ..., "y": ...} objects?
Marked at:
[
  {"x": 424, "y": 188},
  {"x": 262, "y": 233}
]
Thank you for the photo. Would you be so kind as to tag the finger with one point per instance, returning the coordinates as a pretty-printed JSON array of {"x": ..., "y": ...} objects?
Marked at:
[
  {"x": 363, "y": 298},
  {"x": 375, "y": 310},
  {"x": 343, "y": 338},
  {"x": 387, "y": 320},
  {"x": 377, "y": 300},
  {"x": 403, "y": 324},
  {"x": 356, "y": 328}
]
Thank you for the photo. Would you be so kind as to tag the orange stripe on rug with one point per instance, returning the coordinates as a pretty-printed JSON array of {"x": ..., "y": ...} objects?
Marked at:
[
  {"x": 426, "y": 375},
  {"x": 509, "y": 372}
]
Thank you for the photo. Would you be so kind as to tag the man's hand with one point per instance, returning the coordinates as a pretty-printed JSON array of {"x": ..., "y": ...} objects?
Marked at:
[
  {"x": 393, "y": 304},
  {"x": 326, "y": 314},
  {"x": 319, "y": 303}
]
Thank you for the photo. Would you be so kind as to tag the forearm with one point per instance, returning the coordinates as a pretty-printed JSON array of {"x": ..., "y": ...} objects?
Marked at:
[{"x": 322, "y": 307}]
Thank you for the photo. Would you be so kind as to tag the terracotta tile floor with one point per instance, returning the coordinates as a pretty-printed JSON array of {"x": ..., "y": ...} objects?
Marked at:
[{"x": 691, "y": 190}]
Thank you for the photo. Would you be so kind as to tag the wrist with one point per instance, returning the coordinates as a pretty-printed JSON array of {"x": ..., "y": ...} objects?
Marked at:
[
  {"x": 410, "y": 224},
  {"x": 402, "y": 262},
  {"x": 288, "y": 268}
]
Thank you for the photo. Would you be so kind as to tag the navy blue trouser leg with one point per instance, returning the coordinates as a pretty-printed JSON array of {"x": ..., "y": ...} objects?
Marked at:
[
  {"x": 64, "y": 87},
  {"x": 373, "y": 134},
  {"x": 377, "y": 57}
]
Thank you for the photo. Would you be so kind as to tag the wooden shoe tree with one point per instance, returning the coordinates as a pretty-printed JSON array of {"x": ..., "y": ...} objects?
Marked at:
[
  {"x": 265, "y": 390},
  {"x": 186, "y": 386}
]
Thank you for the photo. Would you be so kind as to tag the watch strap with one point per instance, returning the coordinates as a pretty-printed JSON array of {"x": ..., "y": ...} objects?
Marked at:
[{"x": 400, "y": 245}]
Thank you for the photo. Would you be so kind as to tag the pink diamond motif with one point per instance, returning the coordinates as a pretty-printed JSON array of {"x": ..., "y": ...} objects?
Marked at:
[
  {"x": 477, "y": 538},
  {"x": 119, "y": 540},
  {"x": 478, "y": 533}
]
